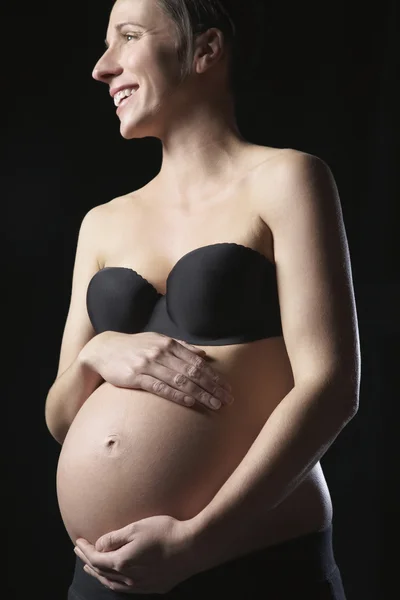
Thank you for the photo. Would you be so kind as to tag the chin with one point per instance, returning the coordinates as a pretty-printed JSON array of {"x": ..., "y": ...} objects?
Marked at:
[
  {"x": 132, "y": 128},
  {"x": 129, "y": 132},
  {"x": 127, "y": 135},
  {"x": 132, "y": 131}
]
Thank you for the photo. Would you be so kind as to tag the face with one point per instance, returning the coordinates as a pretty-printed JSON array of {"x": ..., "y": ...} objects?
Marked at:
[{"x": 142, "y": 58}]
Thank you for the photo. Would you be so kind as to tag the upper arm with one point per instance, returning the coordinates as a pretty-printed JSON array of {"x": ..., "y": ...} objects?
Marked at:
[
  {"x": 314, "y": 277},
  {"x": 78, "y": 329}
]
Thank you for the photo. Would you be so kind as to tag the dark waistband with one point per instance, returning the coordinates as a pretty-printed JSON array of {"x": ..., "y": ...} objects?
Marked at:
[
  {"x": 309, "y": 555},
  {"x": 306, "y": 558}
]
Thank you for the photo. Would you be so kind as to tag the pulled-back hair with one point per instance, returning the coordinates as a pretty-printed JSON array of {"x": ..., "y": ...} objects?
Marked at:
[{"x": 241, "y": 27}]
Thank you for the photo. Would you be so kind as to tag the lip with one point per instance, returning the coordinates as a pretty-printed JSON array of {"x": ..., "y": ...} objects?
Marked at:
[{"x": 122, "y": 106}]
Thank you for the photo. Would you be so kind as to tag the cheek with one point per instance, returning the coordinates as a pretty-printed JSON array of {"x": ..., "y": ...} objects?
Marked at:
[
  {"x": 158, "y": 67},
  {"x": 168, "y": 65}
]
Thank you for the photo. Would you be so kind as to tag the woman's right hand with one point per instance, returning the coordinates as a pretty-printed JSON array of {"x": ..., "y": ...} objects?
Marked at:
[{"x": 172, "y": 369}]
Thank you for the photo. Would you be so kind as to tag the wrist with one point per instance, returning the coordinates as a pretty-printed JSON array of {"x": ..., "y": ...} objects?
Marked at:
[
  {"x": 89, "y": 353},
  {"x": 204, "y": 551},
  {"x": 88, "y": 364},
  {"x": 197, "y": 527}
]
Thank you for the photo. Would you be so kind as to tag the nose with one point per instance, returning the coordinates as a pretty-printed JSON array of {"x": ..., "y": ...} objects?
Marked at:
[{"x": 106, "y": 68}]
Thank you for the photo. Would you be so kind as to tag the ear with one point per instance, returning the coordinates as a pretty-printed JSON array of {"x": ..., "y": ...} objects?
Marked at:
[{"x": 209, "y": 49}]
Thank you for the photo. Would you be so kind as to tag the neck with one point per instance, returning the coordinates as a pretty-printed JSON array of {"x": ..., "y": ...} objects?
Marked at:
[{"x": 197, "y": 157}]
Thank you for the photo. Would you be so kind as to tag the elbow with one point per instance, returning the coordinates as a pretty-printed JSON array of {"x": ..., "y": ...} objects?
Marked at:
[
  {"x": 58, "y": 433},
  {"x": 55, "y": 430},
  {"x": 343, "y": 400},
  {"x": 340, "y": 403},
  {"x": 353, "y": 407},
  {"x": 54, "y": 425},
  {"x": 59, "y": 438},
  {"x": 346, "y": 397},
  {"x": 349, "y": 406},
  {"x": 348, "y": 387},
  {"x": 342, "y": 391}
]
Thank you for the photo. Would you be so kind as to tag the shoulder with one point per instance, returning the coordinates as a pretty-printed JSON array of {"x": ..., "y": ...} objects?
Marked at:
[
  {"x": 116, "y": 208},
  {"x": 101, "y": 222},
  {"x": 297, "y": 168},
  {"x": 95, "y": 218},
  {"x": 296, "y": 171},
  {"x": 297, "y": 181},
  {"x": 92, "y": 220}
]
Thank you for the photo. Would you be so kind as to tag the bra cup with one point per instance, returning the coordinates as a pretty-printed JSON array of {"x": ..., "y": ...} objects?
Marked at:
[
  {"x": 116, "y": 294},
  {"x": 200, "y": 304},
  {"x": 216, "y": 293},
  {"x": 223, "y": 293}
]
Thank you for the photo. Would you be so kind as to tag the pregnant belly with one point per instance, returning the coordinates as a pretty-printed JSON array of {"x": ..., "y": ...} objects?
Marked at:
[{"x": 130, "y": 454}]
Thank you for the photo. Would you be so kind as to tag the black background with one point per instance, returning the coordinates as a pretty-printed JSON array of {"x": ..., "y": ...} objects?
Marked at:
[{"x": 326, "y": 85}]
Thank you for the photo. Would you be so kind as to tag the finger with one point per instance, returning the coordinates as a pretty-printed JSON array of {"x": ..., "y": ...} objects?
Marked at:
[
  {"x": 160, "y": 388},
  {"x": 195, "y": 380},
  {"x": 103, "y": 561},
  {"x": 184, "y": 352},
  {"x": 187, "y": 357},
  {"x": 110, "y": 574},
  {"x": 117, "y": 585},
  {"x": 190, "y": 347},
  {"x": 186, "y": 392},
  {"x": 114, "y": 577},
  {"x": 115, "y": 539}
]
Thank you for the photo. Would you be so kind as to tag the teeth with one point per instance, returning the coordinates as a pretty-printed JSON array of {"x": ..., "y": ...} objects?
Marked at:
[{"x": 119, "y": 96}]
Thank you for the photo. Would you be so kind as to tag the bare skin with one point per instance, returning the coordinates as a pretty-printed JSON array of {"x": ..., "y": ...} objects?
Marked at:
[
  {"x": 194, "y": 120},
  {"x": 145, "y": 455},
  {"x": 130, "y": 454}
]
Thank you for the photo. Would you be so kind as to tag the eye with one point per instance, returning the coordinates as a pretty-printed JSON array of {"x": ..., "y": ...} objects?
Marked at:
[{"x": 130, "y": 35}]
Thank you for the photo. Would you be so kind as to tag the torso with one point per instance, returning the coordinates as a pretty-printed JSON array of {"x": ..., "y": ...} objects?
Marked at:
[{"x": 130, "y": 454}]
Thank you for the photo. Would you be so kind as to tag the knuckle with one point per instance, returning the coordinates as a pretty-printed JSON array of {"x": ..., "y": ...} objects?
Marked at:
[
  {"x": 168, "y": 343},
  {"x": 141, "y": 362},
  {"x": 119, "y": 565},
  {"x": 194, "y": 372},
  {"x": 180, "y": 379},
  {"x": 158, "y": 387},
  {"x": 204, "y": 396},
  {"x": 198, "y": 362},
  {"x": 152, "y": 354},
  {"x": 176, "y": 396},
  {"x": 142, "y": 381}
]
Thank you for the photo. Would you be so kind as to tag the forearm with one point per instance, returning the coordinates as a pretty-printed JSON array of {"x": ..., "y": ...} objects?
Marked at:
[
  {"x": 293, "y": 440},
  {"x": 66, "y": 396}
]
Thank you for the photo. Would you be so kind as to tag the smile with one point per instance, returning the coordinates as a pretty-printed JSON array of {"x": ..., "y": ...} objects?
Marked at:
[{"x": 122, "y": 94}]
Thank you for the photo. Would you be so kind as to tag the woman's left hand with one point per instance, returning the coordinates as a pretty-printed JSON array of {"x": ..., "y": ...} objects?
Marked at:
[{"x": 150, "y": 556}]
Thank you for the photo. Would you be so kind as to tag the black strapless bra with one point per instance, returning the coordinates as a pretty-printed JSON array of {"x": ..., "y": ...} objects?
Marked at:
[{"x": 216, "y": 295}]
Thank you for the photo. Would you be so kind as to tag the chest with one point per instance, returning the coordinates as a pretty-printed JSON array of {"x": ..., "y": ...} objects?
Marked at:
[{"x": 152, "y": 240}]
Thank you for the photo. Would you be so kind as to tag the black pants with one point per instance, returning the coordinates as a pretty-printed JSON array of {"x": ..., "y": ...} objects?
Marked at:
[{"x": 303, "y": 568}]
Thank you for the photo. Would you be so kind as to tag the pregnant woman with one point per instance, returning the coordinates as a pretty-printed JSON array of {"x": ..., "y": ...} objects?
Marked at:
[{"x": 210, "y": 354}]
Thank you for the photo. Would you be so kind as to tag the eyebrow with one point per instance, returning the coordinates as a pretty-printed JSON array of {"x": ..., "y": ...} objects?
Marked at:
[{"x": 119, "y": 26}]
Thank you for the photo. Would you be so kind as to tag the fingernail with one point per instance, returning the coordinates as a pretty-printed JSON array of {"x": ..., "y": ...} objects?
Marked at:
[{"x": 215, "y": 403}]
